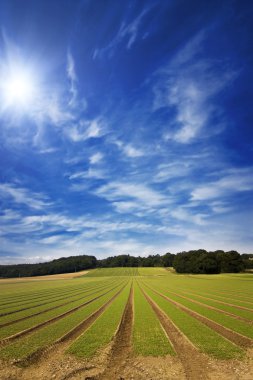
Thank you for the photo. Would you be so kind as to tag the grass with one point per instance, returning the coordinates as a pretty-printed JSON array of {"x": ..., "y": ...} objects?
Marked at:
[
  {"x": 148, "y": 336},
  {"x": 102, "y": 330}
]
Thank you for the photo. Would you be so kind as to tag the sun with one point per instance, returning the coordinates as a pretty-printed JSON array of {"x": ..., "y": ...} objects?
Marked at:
[{"x": 18, "y": 89}]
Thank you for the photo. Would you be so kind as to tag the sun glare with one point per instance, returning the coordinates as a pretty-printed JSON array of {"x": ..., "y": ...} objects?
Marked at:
[{"x": 18, "y": 89}]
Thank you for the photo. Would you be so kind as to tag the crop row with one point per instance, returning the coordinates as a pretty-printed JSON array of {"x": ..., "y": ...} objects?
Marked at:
[
  {"x": 214, "y": 315},
  {"x": 27, "y": 313},
  {"x": 206, "y": 339},
  {"x": 148, "y": 336},
  {"x": 27, "y": 346},
  {"x": 104, "y": 272},
  {"x": 39, "y": 307},
  {"x": 47, "y": 296},
  {"x": 53, "y": 313},
  {"x": 103, "y": 329},
  {"x": 89, "y": 319}
]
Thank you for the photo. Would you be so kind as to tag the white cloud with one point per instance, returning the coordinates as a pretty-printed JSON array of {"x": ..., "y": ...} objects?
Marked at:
[
  {"x": 128, "y": 149},
  {"x": 96, "y": 158},
  {"x": 128, "y": 32},
  {"x": 188, "y": 86},
  {"x": 132, "y": 152},
  {"x": 238, "y": 181},
  {"x": 48, "y": 150},
  {"x": 172, "y": 170},
  {"x": 90, "y": 173},
  {"x": 86, "y": 129},
  {"x": 73, "y": 79},
  {"x": 24, "y": 196},
  {"x": 49, "y": 105},
  {"x": 127, "y": 196},
  {"x": 181, "y": 213}
]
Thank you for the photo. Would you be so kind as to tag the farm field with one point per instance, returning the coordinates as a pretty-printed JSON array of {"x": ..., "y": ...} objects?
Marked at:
[{"x": 127, "y": 323}]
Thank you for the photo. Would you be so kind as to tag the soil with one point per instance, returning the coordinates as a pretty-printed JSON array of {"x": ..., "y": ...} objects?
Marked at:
[
  {"x": 62, "y": 276},
  {"x": 117, "y": 362},
  {"x": 56, "y": 366},
  {"x": 194, "y": 363}
]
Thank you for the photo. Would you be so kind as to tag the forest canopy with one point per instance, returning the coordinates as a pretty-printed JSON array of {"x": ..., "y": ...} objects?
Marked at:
[{"x": 195, "y": 261}]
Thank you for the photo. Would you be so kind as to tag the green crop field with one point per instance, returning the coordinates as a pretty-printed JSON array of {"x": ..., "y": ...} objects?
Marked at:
[{"x": 110, "y": 319}]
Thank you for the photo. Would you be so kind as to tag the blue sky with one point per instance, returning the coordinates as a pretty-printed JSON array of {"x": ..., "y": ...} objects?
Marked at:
[{"x": 132, "y": 132}]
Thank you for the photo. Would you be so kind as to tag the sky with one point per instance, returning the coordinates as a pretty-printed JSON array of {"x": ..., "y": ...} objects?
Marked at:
[{"x": 125, "y": 127}]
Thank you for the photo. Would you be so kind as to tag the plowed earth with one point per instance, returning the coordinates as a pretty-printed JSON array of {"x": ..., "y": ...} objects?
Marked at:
[{"x": 117, "y": 361}]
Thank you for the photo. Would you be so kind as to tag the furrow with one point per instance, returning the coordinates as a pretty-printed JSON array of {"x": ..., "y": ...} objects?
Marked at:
[
  {"x": 72, "y": 334},
  {"x": 233, "y": 336},
  {"x": 214, "y": 308},
  {"x": 194, "y": 363},
  {"x": 225, "y": 303},
  {"x": 122, "y": 343},
  {"x": 44, "y": 303},
  {"x": 5, "y": 341},
  {"x": 52, "y": 308}
]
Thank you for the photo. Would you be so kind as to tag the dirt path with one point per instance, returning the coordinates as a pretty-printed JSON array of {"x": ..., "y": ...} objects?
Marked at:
[
  {"x": 233, "y": 336},
  {"x": 122, "y": 343},
  {"x": 195, "y": 364}
]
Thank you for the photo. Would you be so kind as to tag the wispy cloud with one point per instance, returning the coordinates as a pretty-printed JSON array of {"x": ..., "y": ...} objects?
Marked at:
[
  {"x": 71, "y": 73},
  {"x": 188, "y": 86},
  {"x": 132, "y": 152},
  {"x": 91, "y": 173},
  {"x": 239, "y": 180},
  {"x": 86, "y": 129},
  {"x": 127, "y": 196},
  {"x": 96, "y": 158},
  {"x": 173, "y": 170},
  {"x": 129, "y": 150},
  {"x": 24, "y": 196},
  {"x": 49, "y": 105},
  {"x": 127, "y": 33}
]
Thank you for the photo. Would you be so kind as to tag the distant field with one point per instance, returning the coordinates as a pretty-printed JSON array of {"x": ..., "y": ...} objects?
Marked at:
[
  {"x": 127, "y": 321},
  {"x": 108, "y": 272}
]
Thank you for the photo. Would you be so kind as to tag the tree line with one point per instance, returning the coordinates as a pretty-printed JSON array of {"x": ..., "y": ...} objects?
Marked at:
[
  {"x": 195, "y": 261},
  {"x": 62, "y": 265}
]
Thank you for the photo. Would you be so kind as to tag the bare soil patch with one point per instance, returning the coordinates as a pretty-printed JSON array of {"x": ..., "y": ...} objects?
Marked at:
[{"x": 61, "y": 276}]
